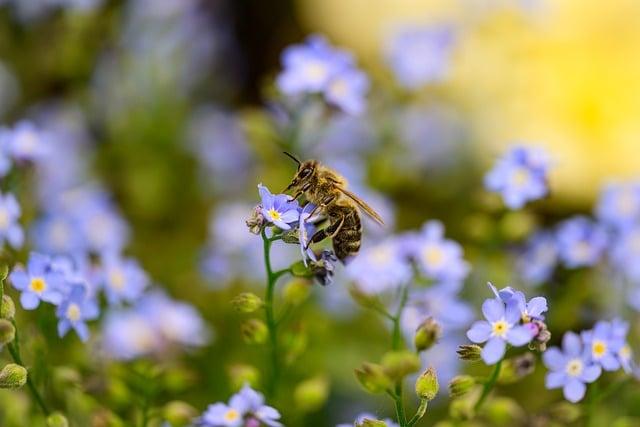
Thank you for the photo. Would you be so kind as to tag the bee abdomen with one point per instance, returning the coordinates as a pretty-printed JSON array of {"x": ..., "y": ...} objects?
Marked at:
[{"x": 346, "y": 243}]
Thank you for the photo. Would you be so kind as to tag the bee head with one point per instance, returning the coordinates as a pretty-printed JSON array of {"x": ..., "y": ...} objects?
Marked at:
[{"x": 305, "y": 171}]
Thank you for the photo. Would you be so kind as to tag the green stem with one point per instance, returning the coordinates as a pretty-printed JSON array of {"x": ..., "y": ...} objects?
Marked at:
[
  {"x": 396, "y": 344},
  {"x": 422, "y": 409},
  {"x": 15, "y": 354},
  {"x": 488, "y": 386},
  {"x": 594, "y": 396}
]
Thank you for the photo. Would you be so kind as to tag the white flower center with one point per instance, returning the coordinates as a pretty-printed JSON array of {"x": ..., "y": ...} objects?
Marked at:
[
  {"x": 520, "y": 177},
  {"x": 274, "y": 214},
  {"x": 338, "y": 87},
  {"x": 73, "y": 312},
  {"x": 316, "y": 71},
  {"x": 574, "y": 367},
  {"x": 581, "y": 250},
  {"x": 433, "y": 256},
  {"x": 500, "y": 328},
  {"x": 117, "y": 279},
  {"x": 626, "y": 203},
  {"x": 625, "y": 352},
  {"x": 4, "y": 218}
]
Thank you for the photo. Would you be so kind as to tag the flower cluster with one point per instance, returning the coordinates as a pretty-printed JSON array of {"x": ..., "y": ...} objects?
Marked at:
[
  {"x": 583, "y": 357},
  {"x": 510, "y": 319},
  {"x": 318, "y": 68},
  {"x": 520, "y": 176},
  {"x": 245, "y": 409}
]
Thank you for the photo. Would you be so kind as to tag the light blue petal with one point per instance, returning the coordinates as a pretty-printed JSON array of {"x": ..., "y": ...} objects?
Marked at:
[
  {"x": 29, "y": 300},
  {"x": 83, "y": 331},
  {"x": 609, "y": 362},
  {"x": 537, "y": 306},
  {"x": 554, "y": 359},
  {"x": 493, "y": 350},
  {"x": 479, "y": 332},
  {"x": 591, "y": 373},
  {"x": 63, "y": 327},
  {"x": 19, "y": 279},
  {"x": 519, "y": 335},
  {"x": 493, "y": 309},
  {"x": 571, "y": 344},
  {"x": 512, "y": 312},
  {"x": 554, "y": 380},
  {"x": 574, "y": 390}
]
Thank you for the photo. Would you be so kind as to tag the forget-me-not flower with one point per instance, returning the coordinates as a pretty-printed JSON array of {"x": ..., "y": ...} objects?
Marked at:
[
  {"x": 122, "y": 278},
  {"x": 581, "y": 242},
  {"x": 347, "y": 91},
  {"x": 278, "y": 209},
  {"x": 519, "y": 176},
  {"x": 74, "y": 311},
  {"x": 570, "y": 368},
  {"x": 539, "y": 258},
  {"x": 10, "y": 229},
  {"x": 37, "y": 283},
  {"x": 25, "y": 141},
  {"x": 602, "y": 345},
  {"x": 368, "y": 416},
  {"x": 245, "y": 405},
  {"x": 619, "y": 205},
  {"x": 625, "y": 252}
]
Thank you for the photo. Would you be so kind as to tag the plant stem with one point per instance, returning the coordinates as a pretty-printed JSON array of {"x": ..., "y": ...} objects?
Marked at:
[
  {"x": 396, "y": 344},
  {"x": 14, "y": 350},
  {"x": 422, "y": 409},
  {"x": 488, "y": 386}
]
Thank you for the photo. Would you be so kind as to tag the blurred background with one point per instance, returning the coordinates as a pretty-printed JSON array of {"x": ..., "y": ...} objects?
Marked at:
[{"x": 170, "y": 106}]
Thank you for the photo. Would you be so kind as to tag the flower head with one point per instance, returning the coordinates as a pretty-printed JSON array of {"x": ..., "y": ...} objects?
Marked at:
[
  {"x": 245, "y": 406},
  {"x": 38, "y": 282},
  {"x": 581, "y": 242},
  {"x": 25, "y": 141},
  {"x": 122, "y": 278},
  {"x": 570, "y": 368},
  {"x": 520, "y": 176},
  {"x": 619, "y": 205},
  {"x": 539, "y": 258},
  {"x": 278, "y": 209},
  {"x": 10, "y": 229},
  {"x": 625, "y": 252},
  {"x": 74, "y": 310},
  {"x": 603, "y": 344},
  {"x": 360, "y": 419}
]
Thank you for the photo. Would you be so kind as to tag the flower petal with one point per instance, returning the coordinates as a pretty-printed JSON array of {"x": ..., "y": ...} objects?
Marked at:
[
  {"x": 512, "y": 312},
  {"x": 493, "y": 350},
  {"x": 29, "y": 300},
  {"x": 554, "y": 380},
  {"x": 519, "y": 335},
  {"x": 19, "y": 279},
  {"x": 554, "y": 359},
  {"x": 574, "y": 390},
  {"x": 537, "y": 306},
  {"x": 479, "y": 332},
  {"x": 493, "y": 309},
  {"x": 571, "y": 344},
  {"x": 590, "y": 373}
]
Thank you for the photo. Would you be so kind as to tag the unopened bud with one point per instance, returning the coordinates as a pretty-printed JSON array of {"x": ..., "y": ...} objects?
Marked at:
[
  {"x": 255, "y": 220},
  {"x": 311, "y": 395},
  {"x": 241, "y": 374},
  {"x": 296, "y": 291},
  {"x": 291, "y": 236},
  {"x": 57, "y": 420},
  {"x": 373, "y": 378},
  {"x": 8, "y": 308},
  {"x": 398, "y": 364},
  {"x": 13, "y": 376},
  {"x": 541, "y": 335},
  {"x": 254, "y": 331},
  {"x": 246, "y": 302},
  {"x": 517, "y": 367},
  {"x": 470, "y": 352},
  {"x": 179, "y": 414},
  {"x": 368, "y": 422},
  {"x": 427, "y": 334},
  {"x": 461, "y": 385},
  {"x": 7, "y": 332},
  {"x": 427, "y": 384}
]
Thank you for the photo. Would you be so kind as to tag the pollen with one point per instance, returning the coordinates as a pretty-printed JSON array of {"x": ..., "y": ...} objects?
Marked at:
[
  {"x": 598, "y": 348},
  {"x": 574, "y": 367},
  {"x": 274, "y": 214},
  {"x": 73, "y": 312},
  {"x": 433, "y": 256},
  {"x": 38, "y": 285},
  {"x": 500, "y": 328},
  {"x": 231, "y": 415}
]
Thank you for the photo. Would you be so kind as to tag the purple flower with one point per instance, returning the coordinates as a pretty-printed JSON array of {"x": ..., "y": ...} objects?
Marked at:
[
  {"x": 602, "y": 345},
  {"x": 245, "y": 405},
  {"x": 37, "y": 283},
  {"x": 10, "y": 229},
  {"x": 278, "y": 209},
  {"x": 570, "y": 368},
  {"x": 74, "y": 310},
  {"x": 581, "y": 242},
  {"x": 520, "y": 176},
  {"x": 420, "y": 55},
  {"x": 619, "y": 205},
  {"x": 539, "y": 259},
  {"x": 500, "y": 328},
  {"x": 438, "y": 258},
  {"x": 25, "y": 142},
  {"x": 122, "y": 278}
]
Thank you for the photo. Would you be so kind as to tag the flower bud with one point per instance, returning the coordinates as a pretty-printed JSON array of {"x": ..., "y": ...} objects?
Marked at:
[
  {"x": 398, "y": 364},
  {"x": 311, "y": 395},
  {"x": 246, "y": 302},
  {"x": 254, "y": 331},
  {"x": 8, "y": 308},
  {"x": 368, "y": 422},
  {"x": 470, "y": 352},
  {"x": 179, "y": 414},
  {"x": 427, "y": 334},
  {"x": 373, "y": 378},
  {"x": 291, "y": 236},
  {"x": 13, "y": 376},
  {"x": 461, "y": 385},
  {"x": 517, "y": 367},
  {"x": 241, "y": 374},
  {"x": 7, "y": 332},
  {"x": 296, "y": 291},
  {"x": 541, "y": 335},
  {"x": 299, "y": 269},
  {"x": 255, "y": 220},
  {"x": 427, "y": 384},
  {"x": 57, "y": 420}
]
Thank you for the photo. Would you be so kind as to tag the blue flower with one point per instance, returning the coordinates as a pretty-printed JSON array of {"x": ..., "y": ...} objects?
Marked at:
[
  {"x": 74, "y": 310},
  {"x": 58, "y": 233},
  {"x": 581, "y": 242},
  {"x": 122, "y": 278},
  {"x": 501, "y": 327},
  {"x": 438, "y": 258},
  {"x": 520, "y": 176},
  {"x": 531, "y": 310},
  {"x": 619, "y": 205},
  {"x": 570, "y": 368},
  {"x": 381, "y": 267},
  {"x": 305, "y": 231},
  {"x": 37, "y": 283},
  {"x": 437, "y": 302},
  {"x": 102, "y": 226},
  {"x": 625, "y": 252},
  {"x": 368, "y": 416},
  {"x": 278, "y": 209},
  {"x": 619, "y": 331},
  {"x": 602, "y": 345},
  {"x": 539, "y": 259},
  {"x": 420, "y": 55},
  {"x": 5, "y": 159},
  {"x": 25, "y": 142},
  {"x": 245, "y": 406},
  {"x": 348, "y": 90},
  {"x": 10, "y": 229}
]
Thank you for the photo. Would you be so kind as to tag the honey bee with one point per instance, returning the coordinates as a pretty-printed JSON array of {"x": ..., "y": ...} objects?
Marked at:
[{"x": 326, "y": 189}]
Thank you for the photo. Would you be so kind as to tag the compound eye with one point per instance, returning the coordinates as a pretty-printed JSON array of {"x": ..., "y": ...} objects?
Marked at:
[{"x": 305, "y": 173}]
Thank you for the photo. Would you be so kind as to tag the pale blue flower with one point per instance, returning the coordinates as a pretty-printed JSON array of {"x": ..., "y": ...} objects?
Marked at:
[
  {"x": 37, "y": 283},
  {"x": 368, "y": 416},
  {"x": 581, "y": 242},
  {"x": 58, "y": 233},
  {"x": 348, "y": 90},
  {"x": 278, "y": 209},
  {"x": 123, "y": 279},
  {"x": 619, "y": 205},
  {"x": 625, "y": 252},
  {"x": 602, "y": 345},
  {"x": 529, "y": 310},
  {"x": 26, "y": 142},
  {"x": 243, "y": 407},
  {"x": 306, "y": 228},
  {"x": 10, "y": 229},
  {"x": 570, "y": 368},
  {"x": 74, "y": 310},
  {"x": 539, "y": 258},
  {"x": 519, "y": 176}
]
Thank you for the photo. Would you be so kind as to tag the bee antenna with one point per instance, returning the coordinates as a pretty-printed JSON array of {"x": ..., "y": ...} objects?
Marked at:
[{"x": 292, "y": 158}]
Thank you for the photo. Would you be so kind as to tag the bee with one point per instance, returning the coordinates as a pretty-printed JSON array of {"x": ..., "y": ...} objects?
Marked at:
[{"x": 326, "y": 189}]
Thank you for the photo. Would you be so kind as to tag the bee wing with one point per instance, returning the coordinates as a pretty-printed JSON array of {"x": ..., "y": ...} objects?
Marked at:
[{"x": 365, "y": 207}]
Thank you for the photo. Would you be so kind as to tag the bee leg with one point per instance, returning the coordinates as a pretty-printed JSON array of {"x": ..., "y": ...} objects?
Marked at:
[
  {"x": 322, "y": 205},
  {"x": 329, "y": 232}
]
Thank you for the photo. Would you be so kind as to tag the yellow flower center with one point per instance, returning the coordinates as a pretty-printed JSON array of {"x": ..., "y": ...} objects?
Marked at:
[
  {"x": 231, "y": 415},
  {"x": 574, "y": 367},
  {"x": 598, "y": 348},
  {"x": 275, "y": 215},
  {"x": 73, "y": 312},
  {"x": 316, "y": 71},
  {"x": 520, "y": 177},
  {"x": 433, "y": 256},
  {"x": 581, "y": 250},
  {"x": 117, "y": 279},
  {"x": 38, "y": 285},
  {"x": 625, "y": 352},
  {"x": 4, "y": 219},
  {"x": 500, "y": 328}
]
